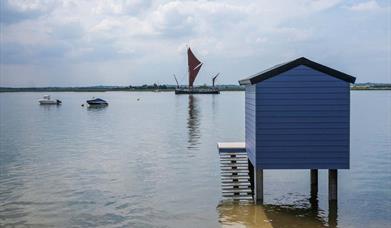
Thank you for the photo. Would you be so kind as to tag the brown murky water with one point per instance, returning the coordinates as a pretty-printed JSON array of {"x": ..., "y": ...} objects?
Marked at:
[{"x": 234, "y": 214}]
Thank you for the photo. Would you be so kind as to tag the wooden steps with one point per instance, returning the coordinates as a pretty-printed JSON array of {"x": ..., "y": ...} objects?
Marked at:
[{"x": 235, "y": 179}]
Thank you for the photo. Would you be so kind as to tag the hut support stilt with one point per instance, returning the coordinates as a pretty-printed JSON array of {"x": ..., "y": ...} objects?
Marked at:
[
  {"x": 333, "y": 214},
  {"x": 333, "y": 184},
  {"x": 258, "y": 185},
  {"x": 314, "y": 181}
]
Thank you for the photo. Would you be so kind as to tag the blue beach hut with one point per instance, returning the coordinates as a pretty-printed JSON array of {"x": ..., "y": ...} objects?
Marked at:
[{"x": 297, "y": 116}]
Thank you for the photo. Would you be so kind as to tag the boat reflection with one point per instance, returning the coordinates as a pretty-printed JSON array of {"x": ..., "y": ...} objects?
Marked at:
[
  {"x": 96, "y": 107},
  {"x": 193, "y": 123},
  {"x": 304, "y": 214},
  {"x": 50, "y": 107}
]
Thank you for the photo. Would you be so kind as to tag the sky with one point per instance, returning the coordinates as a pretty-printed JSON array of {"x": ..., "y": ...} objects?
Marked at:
[{"x": 135, "y": 42}]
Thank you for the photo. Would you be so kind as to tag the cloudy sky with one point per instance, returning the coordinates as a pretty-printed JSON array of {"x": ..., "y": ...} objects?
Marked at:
[{"x": 80, "y": 43}]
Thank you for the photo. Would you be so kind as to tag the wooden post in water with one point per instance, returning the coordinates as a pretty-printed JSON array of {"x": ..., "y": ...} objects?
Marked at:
[
  {"x": 258, "y": 185},
  {"x": 314, "y": 181},
  {"x": 333, "y": 184},
  {"x": 314, "y": 191},
  {"x": 333, "y": 214}
]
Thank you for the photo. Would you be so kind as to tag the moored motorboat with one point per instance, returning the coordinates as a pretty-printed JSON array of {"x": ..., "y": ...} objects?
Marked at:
[
  {"x": 47, "y": 101},
  {"x": 97, "y": 102}
]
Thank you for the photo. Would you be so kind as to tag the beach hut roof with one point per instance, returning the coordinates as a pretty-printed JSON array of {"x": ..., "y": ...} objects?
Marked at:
[{"x": 283, "y": 67}]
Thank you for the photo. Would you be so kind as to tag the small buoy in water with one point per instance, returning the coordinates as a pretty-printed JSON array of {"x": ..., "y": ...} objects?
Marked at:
[
  {"x": 82, "y": 105},
  {"x": 138, "y": 99}
]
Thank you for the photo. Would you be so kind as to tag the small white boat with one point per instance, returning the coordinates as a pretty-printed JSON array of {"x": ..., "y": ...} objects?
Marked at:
[{"x": 47, "y": 101}]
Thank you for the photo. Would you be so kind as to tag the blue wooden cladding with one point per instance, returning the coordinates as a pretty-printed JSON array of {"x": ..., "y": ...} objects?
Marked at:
[{"x": 297, "y": 116}]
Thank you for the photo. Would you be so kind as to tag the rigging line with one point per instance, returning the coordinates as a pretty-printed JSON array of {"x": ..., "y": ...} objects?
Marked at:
[{"x": 198, "y": 66}]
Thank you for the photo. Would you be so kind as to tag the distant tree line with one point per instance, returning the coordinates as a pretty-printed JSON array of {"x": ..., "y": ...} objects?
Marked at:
[
  {"x": 371, "y": 86},
  {"x": 145, "y": 87},
  {"x": 163, "y": 87}
]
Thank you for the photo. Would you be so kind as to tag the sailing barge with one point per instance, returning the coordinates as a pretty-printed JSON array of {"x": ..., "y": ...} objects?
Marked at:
[{"x": 194, "y": 66}]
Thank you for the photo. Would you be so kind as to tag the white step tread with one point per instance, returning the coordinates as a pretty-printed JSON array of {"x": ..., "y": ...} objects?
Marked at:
[
  {"x": 235, "y": 176},
  {"x": 233, "y": 162},
  {"x": 247, "y": 198},
  {"x": 234, "y": 156},
  {"x": 237, "y": 180},
  {"x": 234, "y": 173},
  {"x": 240, "y": 185},
  {"x": 237, "y": 190},
  {"x": 229, "y": 173},
  {"x": 241, "y": 171},
  {"x": 234, "y": 179},
  {"x": 233, "y": 159},
  {"x": 230, "y": 177},
  {"x": 234, "y": 165},
  {"x": 233, "y": 168},
  {"x": 230, "y": 180},
  {"x": 230, "y": 145},
  {"x": 244, "y": 183},
  {"x": 233, "y": 153},
  {"x": 236, "y": 194}
]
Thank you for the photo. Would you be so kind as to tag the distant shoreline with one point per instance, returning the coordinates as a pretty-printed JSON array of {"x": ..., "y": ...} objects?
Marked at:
[
  {"x": 161, "y": 88},
  {"x": 144, "y": 88}
]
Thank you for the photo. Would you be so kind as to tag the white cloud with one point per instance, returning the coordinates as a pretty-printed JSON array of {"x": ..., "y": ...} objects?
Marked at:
[
  {"x": 371, "y": 5},
  {"x": 155, "y": 33},
  {"x": 323, "y": 4},
  {"x": 23, "y": 5},
  {"x": 120, "y": 7},
  {"x": 137, "y": 24}
]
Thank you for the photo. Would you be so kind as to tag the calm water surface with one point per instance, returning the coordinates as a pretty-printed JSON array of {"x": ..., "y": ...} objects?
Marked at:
[{"x": 153, "y": 162}]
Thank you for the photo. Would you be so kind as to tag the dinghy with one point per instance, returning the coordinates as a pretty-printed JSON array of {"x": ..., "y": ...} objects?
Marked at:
[{"x": 47, "y": 101}]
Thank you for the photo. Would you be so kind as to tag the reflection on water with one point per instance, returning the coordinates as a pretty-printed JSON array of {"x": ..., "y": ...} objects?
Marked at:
[
  {"x": 193, "y": 123},
  {"x": 49, "y": 107},
  {"x": 301, "y": 213},
  {"x": 96, "y": 107},
  {"x": 304, "y": 213},
  {"x": 233, "y": 214}
]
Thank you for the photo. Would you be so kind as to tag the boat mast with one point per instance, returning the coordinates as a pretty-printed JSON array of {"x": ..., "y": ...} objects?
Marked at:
[
  {"x": 176, "y": 80},
  {"x": 214, "y": 79}
]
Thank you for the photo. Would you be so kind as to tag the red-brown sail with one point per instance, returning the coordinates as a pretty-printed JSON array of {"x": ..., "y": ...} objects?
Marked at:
[{"x": 194, "y": 66}]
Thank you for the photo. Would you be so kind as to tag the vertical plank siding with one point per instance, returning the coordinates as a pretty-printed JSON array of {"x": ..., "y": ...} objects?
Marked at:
[
  {"x": 298, "y": 120},
  {"x": 250, "y": 126}
]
